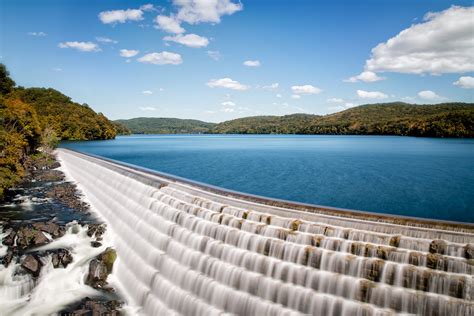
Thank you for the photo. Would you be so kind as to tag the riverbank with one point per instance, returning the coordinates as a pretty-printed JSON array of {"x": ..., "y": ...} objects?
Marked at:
[{"x": 55, "y": 256}]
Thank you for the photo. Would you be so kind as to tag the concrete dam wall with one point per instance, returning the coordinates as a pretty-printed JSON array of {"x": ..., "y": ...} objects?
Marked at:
[{"x": 189, "y": 249}]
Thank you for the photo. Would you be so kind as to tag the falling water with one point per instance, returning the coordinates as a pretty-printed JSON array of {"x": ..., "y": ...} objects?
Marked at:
[{"x": 185, "y": 250}]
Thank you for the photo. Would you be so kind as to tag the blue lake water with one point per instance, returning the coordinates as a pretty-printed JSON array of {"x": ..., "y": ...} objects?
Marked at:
[{"x": 422, "y": 177}]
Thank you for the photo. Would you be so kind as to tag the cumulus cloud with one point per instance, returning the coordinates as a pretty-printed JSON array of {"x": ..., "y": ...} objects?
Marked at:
[
  {"x": 228, "y": 103},
  {"x": 335, "y": 100},
  {"x": 147, "y": 108},
  {"x": 465, "y": 82},
  {"x": 305, "y": 89},
  {"x": 252, "y": 63},
  {"x": 227, "y": 83},
  {"x": 429, "y": 95},
  {"x": 442, "y": 43},
  {"x": 214, "y": 54},
  {"x": 148, "y": 7},
  {"x": 278, "y": 95},
  {"x": 147, "y": 92},
  {"x": 120, "y": 16},
  {"x": 163, "y": 58},
  {"x": 105, "y": 40},
  {"x": 127, "y": 53},
  {"x": 190, "y": 40},
  {"x": 80, "y": 46},
  {"x": 296, "y": 96},
  {"x": 371, "y": 94},
  {"x": 40, "y": 34},
  {"x": 366, "y": 76},
  {"x": 169, "y": 24},
  {"x": 198, "y": 11}
]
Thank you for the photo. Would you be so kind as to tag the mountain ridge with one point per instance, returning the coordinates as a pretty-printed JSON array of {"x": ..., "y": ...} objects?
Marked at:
[{"x": 455, "y": 119}]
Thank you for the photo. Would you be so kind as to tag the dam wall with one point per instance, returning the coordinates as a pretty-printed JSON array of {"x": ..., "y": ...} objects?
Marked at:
[{"x": 186, "y": 248}]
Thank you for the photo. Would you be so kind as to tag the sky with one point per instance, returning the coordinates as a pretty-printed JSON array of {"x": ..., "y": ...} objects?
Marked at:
[{"x": 216, "y": 60}]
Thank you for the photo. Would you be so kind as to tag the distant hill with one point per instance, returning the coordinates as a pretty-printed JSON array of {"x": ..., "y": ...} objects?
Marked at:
[
  {"x": 160, "y": 125},
  {"x": 429, "y": 120},
  {"x": 439, "y": 120}
]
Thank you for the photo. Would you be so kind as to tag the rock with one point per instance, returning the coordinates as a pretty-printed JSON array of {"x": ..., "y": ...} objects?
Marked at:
[
  {"x": 97, "y": 229},
  {"x": 28, "y": 237},
  {"x": 432, "y": 260},
  {"x": 394, "y": 241},
  {"x": 7, "y": 258},
  {"x": 9, "y": 240},
  {"x": 61, "y": 258},
  {"x": 32, "y": 265},
  {"x": 100, "y": 268},
  {"x": 51, "y": 228},
  {"x": 438, "y": 246},
  {"x": 96, "y": 244},
  {"x": 469, "y": 251}
]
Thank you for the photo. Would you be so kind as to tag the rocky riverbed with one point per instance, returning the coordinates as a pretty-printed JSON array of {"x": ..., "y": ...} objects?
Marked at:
[{"x": 52, "y": 248}]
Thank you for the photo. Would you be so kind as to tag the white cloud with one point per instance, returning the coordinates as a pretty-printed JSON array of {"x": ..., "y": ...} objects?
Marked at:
[
  {"x": 305, "y": 89},
  {"x": 214, "y": 54},
  {"x": 127, "y": 53},
  {"x": 228, "y": 103},
  {"x": 148, "y": 7},
  {"x": 80, "y": 46},
  {"x": 169, "y": 24},
  {"x": 429, "y": 95},
  {"x": 227, "y": 83},
  {"x": 465, "y": 82},
  {"x": 40, "y": 34},
  {"x": 278, "y": 95},
  {"x": 197, "y": 11},
  {"x": 120, "y": 16},
  {"x": 105, "y": 40},
  {"x": 147, "y": 92},
  {"x": 335, "y": 100},
  {"x": 228, "y": 110},
  {"x": 252, "y": 63},
  {"x": 57, "y": 69},
  {"x": 163, "y": 58},
  {"x": 366, "y": 76},
  {"x": 190, "y": 40},
  {"x": 147, "y": 108},
  {"x": 371, "y": 94},
  {"x": 442, "y": 43},
  {"x": 296, "y": 96},
  {"x": 272, "y": 87}
]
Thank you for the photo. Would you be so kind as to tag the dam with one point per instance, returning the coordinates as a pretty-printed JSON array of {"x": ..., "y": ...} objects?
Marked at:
[{"x": 186, "y": 248}]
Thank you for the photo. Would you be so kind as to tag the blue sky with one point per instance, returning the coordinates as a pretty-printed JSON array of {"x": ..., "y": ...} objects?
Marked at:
[{"x": 300, "y": 56}]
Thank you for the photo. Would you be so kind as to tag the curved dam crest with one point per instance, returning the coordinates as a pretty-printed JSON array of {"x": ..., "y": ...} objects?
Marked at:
[{"x": 188, "y": 249}]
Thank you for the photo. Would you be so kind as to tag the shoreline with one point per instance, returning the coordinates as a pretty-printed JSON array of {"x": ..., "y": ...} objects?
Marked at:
[{"x": 53, "y": 246}]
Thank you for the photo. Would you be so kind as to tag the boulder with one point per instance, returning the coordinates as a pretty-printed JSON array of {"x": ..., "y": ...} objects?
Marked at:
[
  {"x": 438, "y": 246},
  {"x": 51, "y": 228},
  {"x": 9, "y": 240},
  {"x": 28, "y": 237},
  {"x": 32, "y": 265},
  {"x": 469, "y": 251}
]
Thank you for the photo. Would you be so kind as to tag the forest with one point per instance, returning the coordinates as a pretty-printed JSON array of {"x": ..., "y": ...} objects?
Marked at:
[
  {"x": 424, "y": 120},
  {"x": 38, "y": 118}
]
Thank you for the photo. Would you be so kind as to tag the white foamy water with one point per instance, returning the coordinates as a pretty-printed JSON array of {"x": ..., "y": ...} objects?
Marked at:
[
  {"x": 55, "y": 288},
  {"x": 184, "y": 250}
]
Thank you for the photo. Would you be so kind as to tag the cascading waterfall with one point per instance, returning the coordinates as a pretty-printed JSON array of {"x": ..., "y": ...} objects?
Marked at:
[{"x": 185, "y": 250}]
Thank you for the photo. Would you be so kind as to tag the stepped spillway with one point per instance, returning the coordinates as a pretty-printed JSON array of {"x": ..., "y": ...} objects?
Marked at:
[{"x": 191, "y": 249}]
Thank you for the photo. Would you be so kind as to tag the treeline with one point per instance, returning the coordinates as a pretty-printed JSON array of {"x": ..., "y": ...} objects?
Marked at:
[
  {"x": 159, "y": 125},
  {"x": 440, "y": 120},
  {"x": 36, "y": 117}
]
